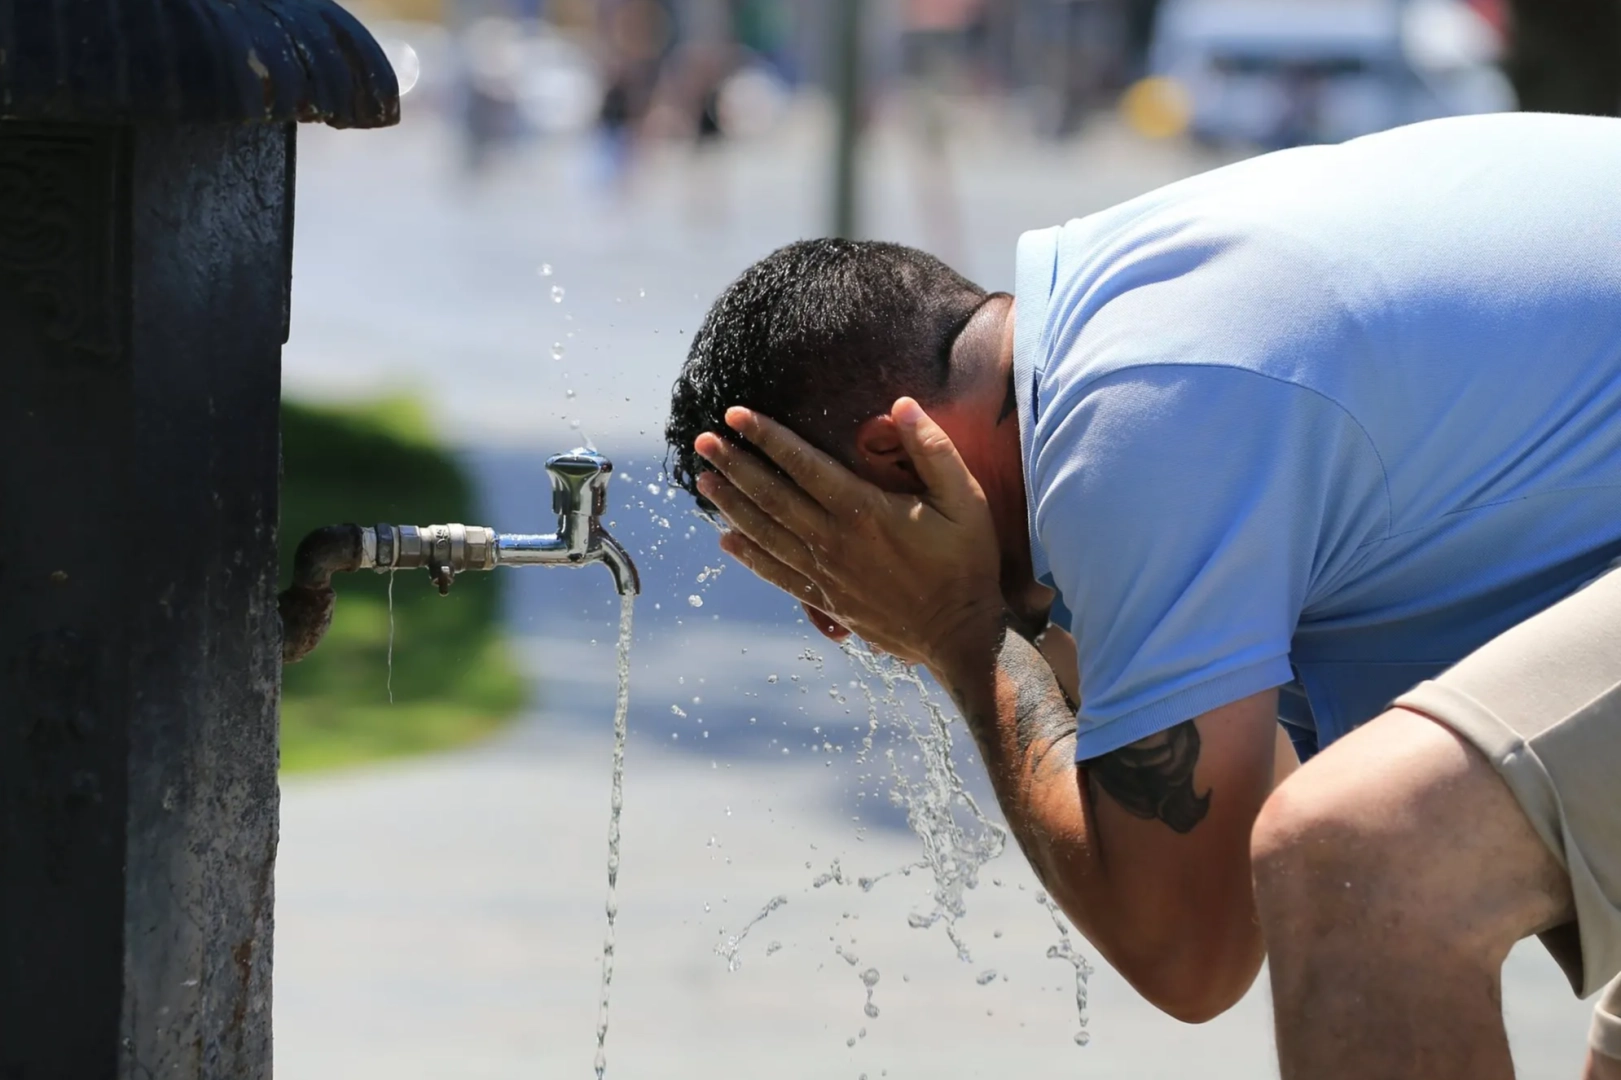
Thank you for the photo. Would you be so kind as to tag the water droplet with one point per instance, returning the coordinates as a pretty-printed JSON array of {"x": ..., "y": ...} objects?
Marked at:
[
  {"x": 770, "y": 678},
  {"x": 870, "y": 977},
  {"x": 871, "y": 1010},
  {"x": 678, "y": 710},
  {"x": 545, "y": 269},
  {"x": 985, "y": 977},
  {"x": 641, "y": 292},
  {"x": 557, "y": 294},
  {"x": 775, "y": 946},
  {"x": 695, "y": 600},
  {"x": 569, "y": 392},
  {"x": 851, "y": 1041},
  {"x": 1082, "y": 1038}
]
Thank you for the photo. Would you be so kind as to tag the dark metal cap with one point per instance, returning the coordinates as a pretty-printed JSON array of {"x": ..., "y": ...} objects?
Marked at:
[{"x": 192, "y": 62}]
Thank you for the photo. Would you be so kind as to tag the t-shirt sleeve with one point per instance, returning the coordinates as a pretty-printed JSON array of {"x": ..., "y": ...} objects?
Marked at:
[{"x": 1188, "y": 515}]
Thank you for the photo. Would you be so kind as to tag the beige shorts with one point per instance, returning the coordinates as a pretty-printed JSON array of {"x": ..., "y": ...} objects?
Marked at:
[
  {"x": 1606, "y": 1036},
  {"x": 1543, "y": 703}
]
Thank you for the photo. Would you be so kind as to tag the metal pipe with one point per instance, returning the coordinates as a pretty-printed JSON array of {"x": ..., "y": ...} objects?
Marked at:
[{"x": 847, "y": 94}]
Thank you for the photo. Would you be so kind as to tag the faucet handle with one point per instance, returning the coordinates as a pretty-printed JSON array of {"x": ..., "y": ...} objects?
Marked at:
[{"x": 579, "y": 482}]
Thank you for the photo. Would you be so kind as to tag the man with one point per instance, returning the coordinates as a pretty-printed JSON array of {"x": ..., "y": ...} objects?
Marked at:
[{"x": 1332, "y": 436}]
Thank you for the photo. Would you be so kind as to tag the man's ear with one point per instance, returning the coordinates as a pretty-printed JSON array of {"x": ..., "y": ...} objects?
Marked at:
[{"x": 881, "y": 457}]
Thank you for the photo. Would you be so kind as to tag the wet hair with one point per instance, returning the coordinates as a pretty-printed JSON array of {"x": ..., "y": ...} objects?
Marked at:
[{"x": 820, "y": 335}]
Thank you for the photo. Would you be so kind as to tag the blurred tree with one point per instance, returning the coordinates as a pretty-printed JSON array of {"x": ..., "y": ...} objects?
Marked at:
[
  {"x": 453, "y": 678},
  {"x": 1566, "y": 55}
]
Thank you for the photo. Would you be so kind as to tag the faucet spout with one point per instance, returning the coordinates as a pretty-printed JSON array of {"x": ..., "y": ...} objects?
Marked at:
[
  {"x": 626, "y": 579},
  {"x": 554, "y": 549}
]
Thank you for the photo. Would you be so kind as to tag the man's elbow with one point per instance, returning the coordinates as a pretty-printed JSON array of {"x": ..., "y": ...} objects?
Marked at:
[
  {"x": 1193, "y": 986},
  {"x": 1194, "y": 1004}
]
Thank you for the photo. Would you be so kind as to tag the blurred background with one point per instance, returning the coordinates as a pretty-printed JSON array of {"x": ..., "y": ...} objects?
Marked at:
[{"x": 516, "y": 270}]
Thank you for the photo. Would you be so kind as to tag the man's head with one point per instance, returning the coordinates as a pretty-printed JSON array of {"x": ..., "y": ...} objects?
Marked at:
[
  {"x": 825, "y": 335},
  {"x": 821, "y": 335}
]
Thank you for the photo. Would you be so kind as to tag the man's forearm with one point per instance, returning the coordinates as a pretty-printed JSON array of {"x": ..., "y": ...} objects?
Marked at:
[
  {"x": 1131, "y": 898},
  {"x": 1025, "y": 729}
]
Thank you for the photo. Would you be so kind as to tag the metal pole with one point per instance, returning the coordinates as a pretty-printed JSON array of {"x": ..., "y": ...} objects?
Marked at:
[{"x": 847, "y": 96}]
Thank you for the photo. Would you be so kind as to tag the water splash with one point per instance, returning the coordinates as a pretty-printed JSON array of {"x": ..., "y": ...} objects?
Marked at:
[
  {"x": 615, "y": 805},
  {"x": 732, "y": 946},
  {"x": 955, "y": 846},
  {"x": 1065, "y": 950},
  {"x": 867, "y": 883},
  {"x": 869, "y": 979},
  {"x": 834, "y": 874}
]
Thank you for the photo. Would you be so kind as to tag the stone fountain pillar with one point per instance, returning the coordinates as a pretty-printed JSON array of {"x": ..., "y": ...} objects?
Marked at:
[{"x": 146, "y": 222}]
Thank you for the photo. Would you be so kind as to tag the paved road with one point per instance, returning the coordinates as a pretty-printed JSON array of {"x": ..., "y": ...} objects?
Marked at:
[{"x": 443, "y": 918}]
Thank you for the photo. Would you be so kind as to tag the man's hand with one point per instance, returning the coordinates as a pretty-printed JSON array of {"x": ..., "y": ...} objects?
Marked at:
[{"x": 914, "y": 575}]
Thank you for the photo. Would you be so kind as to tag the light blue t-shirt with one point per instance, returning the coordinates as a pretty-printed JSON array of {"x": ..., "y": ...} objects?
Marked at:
[{"x": 1327, "y": 420}]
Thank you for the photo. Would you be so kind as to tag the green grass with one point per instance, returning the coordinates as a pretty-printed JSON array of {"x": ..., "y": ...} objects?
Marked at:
[{"x": 453, "y": 677}]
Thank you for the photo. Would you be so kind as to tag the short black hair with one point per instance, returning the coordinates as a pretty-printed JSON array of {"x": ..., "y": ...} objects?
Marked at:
[{"x": 820, "y": 335}]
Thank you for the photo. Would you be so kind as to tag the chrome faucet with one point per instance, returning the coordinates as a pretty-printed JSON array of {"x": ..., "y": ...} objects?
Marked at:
[{"x": 579, "y": 498}]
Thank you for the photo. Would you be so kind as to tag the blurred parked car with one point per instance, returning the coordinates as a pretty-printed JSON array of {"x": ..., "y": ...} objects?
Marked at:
[{"x": 1285, "y": 72}]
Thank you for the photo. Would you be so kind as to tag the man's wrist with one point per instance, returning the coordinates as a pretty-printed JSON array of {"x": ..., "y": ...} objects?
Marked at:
[{"x": 970, "y": 648}]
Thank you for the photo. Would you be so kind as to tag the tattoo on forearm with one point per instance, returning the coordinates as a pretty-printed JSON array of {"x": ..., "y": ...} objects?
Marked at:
[
  {"x": 1043, "y": 719},
  {"x": 1153, "y": 778}
]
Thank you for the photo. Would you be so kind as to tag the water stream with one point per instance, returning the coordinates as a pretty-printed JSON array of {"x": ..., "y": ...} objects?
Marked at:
[
  {"x": 390, "y": 681},
  {"x": 615, "y": 805}
]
